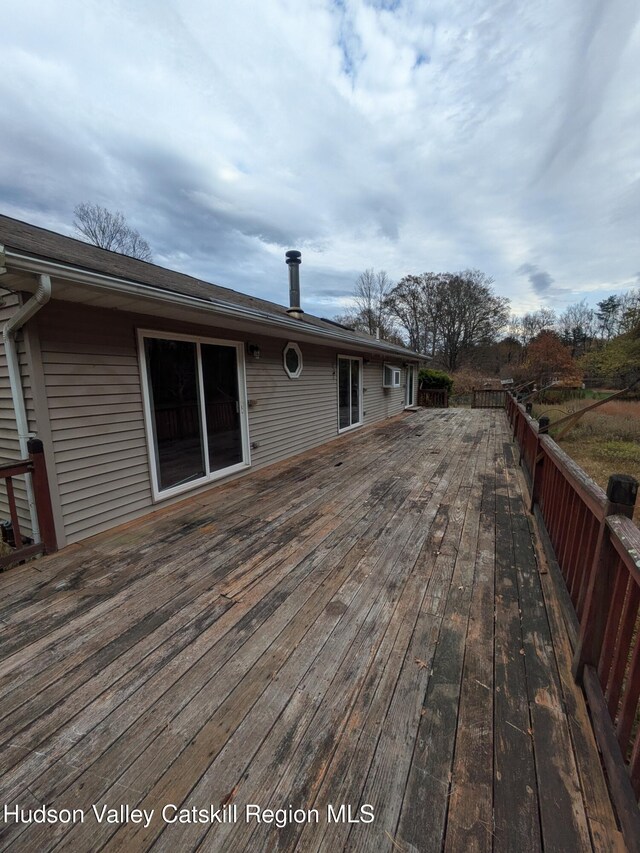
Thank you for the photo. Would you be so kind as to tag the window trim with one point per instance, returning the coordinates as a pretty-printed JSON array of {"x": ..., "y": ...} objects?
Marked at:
[
  {"x": 360, "y": 421},
  {"x": 156, "y": 493},
  {"x": 296, "y": 373},
  {"x": 396, "y": 370}
]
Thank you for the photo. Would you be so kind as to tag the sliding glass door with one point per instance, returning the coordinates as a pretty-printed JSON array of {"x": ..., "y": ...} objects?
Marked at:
[
  {"x": 194, "y": 396},
  {"x": 349, "y": 392},
  {"x": 410, "y": 399},
  {"x": 222, "y": 405}
]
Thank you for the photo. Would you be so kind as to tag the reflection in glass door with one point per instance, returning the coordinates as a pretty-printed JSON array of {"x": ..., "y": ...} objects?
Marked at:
[
  {"x": 411, "y": 386},
  {"x": 194, "y": 410},
  {"x": 349, "y": 392},
  {"x": 222, "y": 405},
  {"x": 172, "y": 373}
]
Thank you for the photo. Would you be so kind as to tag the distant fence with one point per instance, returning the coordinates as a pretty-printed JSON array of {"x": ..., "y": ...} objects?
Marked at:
[
  {"x": 597, "y": 548},
  {"x": 35, "y": 466},
  {"x": 488, "y": 398},
  {"x": 433, "y": 398}
]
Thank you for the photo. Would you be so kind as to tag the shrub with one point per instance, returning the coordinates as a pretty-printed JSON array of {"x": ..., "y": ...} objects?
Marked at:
[
  {"x": 435, "y": 379},
  {"x": 466, "y": 379},
  {"x": 561, "y": 395}
]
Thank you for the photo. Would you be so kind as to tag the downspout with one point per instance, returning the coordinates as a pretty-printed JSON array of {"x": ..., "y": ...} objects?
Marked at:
[{"x": 13, "y": 325}]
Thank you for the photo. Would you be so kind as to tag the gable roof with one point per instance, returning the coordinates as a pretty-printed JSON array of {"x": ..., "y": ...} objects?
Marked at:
[{"x": 23, "y": 238}]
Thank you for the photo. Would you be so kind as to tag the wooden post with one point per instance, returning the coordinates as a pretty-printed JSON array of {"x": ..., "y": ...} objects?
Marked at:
[
  {"x": 13, "y": 512},
  {"x": 42, "y": 495},
  {"x": 516, "y": 417},
  {"x": 622, "y": 491},
  {"x": 528, "y": 407}
]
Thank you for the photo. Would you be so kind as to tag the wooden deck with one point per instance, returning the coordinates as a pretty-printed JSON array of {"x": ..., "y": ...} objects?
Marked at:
[{"x": 369, "y": 623}]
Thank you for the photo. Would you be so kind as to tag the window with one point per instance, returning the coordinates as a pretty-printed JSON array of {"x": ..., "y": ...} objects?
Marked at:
[
  {"x": 390, "y": 376},
  {"x": 349, "y": 392},
  {"x": 292, "y": 359},
  {"x": 195, "y": 410}
]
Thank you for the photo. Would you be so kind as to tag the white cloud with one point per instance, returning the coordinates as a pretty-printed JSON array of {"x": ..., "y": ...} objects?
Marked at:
[{"x": 397, "y": 135}]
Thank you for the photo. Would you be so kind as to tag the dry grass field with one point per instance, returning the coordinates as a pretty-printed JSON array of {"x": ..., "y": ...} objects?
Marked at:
[{"x": 605, "y": 441}]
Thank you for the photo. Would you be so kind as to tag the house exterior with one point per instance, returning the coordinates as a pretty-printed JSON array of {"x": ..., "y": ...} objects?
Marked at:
[{"x": 146, "y": 385}]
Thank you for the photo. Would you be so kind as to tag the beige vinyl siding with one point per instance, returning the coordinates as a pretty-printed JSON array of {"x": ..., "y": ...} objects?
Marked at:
[
  {"x": 290, "y": 415},
  {"x": 92, "y": 381},
  {"x": 379, "y": 402},
  {"x": 90, "y": 365},
  {"x": 9, "y": 444}
]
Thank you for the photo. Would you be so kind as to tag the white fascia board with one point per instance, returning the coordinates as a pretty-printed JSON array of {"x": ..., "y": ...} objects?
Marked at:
[{"x": 112, "y": 284}]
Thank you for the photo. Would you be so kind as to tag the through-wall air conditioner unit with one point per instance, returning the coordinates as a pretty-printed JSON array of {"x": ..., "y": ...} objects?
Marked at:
[{"x": 390, "y": 376}]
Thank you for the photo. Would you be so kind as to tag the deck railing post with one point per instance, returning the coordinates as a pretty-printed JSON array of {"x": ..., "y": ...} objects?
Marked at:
[
  {"x": 42, "y": 495},
  {"x": 516, "y": 416},
  {"x": 543, "y": 425},
  {"x": 522, "y": 438},
  {"x": 622, "y": 491},
  {"x": 538, "y": 462}
]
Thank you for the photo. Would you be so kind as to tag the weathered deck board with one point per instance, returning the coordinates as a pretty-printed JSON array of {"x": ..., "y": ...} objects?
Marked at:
[
  {"x": 515, "y": 786},
  {"x": 365, "y": 624},
  {"x": 429, "y": 774},
  {"x": 562, "y": 815},
  {"x": 470, "y": 817}
]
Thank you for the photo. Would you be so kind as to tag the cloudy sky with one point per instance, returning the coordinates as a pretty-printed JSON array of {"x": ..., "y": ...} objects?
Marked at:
[{"x": 405, "y": 136}]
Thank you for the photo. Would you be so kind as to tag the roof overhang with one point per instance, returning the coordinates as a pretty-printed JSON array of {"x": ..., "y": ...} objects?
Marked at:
[{"x": 18, "y": 271}]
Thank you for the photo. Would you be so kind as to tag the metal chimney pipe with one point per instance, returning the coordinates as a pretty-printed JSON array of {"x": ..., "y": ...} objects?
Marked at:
[{"x": 293, "y": 262}]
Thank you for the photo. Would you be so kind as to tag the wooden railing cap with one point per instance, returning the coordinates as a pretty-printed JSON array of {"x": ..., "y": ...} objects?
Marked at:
[{"x": 626, "y": 538}]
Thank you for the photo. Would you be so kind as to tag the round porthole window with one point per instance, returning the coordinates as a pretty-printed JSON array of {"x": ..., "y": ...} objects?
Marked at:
[{"x": 292, "y": 360}]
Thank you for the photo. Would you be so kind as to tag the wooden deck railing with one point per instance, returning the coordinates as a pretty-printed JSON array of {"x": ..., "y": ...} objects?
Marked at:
[
  {"x": 597, "y": 549},
  {"x": 488, "y": 398},
  {"x": 36, "y": 467},
  {"x": 433, "y": 398}
]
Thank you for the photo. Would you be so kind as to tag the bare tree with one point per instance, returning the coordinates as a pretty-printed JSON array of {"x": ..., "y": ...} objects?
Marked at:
[
  {"x": 406, "y": 302},
  {"x": 577, "y": 327},
  {"x": 629, "y": 310},
  {"x": 526, "y": 327},
  {"x": 110, "y": 231},
  {"x": 448, "y": 314},
  {"x": 470, "y": 314},
  {"x": 371, "y": 291},
  {"x": 371, "y": 313}
]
